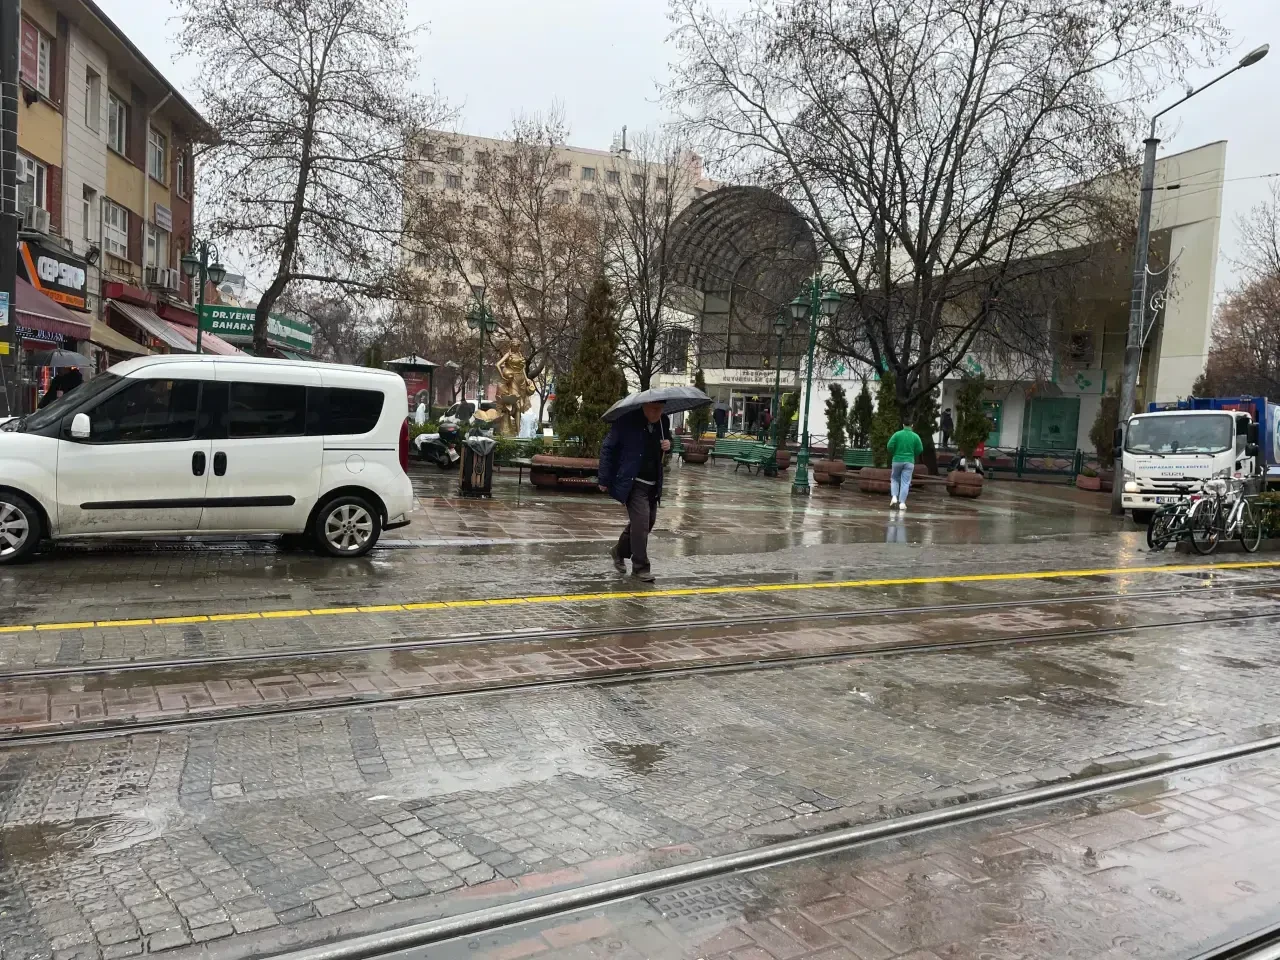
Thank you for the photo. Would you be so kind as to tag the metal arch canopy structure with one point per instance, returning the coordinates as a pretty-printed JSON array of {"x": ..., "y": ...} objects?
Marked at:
[{"x": 747, "y": 251}]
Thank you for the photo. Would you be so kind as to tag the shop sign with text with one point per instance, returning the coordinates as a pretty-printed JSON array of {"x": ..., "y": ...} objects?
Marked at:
[
  {"x": 237, "y": 323},
  {"x": 55, "y": 273}
]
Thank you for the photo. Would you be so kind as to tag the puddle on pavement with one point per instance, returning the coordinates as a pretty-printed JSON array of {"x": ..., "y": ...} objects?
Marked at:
[
  {"x": 92, "y": 835},
  {"x": 639, "y": 758}
]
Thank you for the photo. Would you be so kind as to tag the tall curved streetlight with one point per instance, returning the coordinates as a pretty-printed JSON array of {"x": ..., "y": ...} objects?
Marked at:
[
  {"x": 781, "y": 324},
  {"x": 815, "y": 302},
  {"x": 1138, "y": 291},
  {"x": 480, "y": 318},
  {"x": 202, "y": 259}
]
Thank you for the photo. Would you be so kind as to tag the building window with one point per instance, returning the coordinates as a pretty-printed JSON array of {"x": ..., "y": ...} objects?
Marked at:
[
  {"x": 613, "y": 176},
  {"x": 455, "y": 154},
  {"x": 477, "y": 266},
  {"x": 117, "y": 124},
  {"x": 588, "y": 199},
  {"x": 180, "y": 174},
  {"x": 31, "y": 189},
  {"x": 560, "y": 196},
  {"x": 483, "y": 157},
  {"x": 661, "y": 183},
  {"x": 157, "y": 155},
  {"x": 426, "y": 178},
  {"x": 420, "y": 260},
  {"x": 637, "y": 179},
  {"x": 115, "y": 229},
  {"x": 453, "y": 208},
  {"x": 36, "y": 58},
  {"x": 449, "y": 289},
  {"x": 563, "y": 170},
  {"x": 157, "y": 246},
  {"x": 453, "y": 181},
  {"x": 675, "y": 349},
  {"x": 588, "y": 173},
  {"x": 92, "y": 101},
  {"x": 480, "y": 212},
  {"x": 89, "y": 213}
]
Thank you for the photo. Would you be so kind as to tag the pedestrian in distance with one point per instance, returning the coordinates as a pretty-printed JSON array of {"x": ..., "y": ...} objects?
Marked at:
[
  {"x": 948, "y": 427},
  {"x": 721, "y": 416},
  {"x": 631, "y": 473},
  {"x": 904, "y": 446}
]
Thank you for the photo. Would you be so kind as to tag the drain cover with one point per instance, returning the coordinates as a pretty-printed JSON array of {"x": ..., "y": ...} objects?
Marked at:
[{"x": 690, "y": 908}]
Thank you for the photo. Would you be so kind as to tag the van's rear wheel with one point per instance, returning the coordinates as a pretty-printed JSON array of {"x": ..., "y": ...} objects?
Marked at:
[
  {"x": 347, "y": 526},
  {"x": 20, "y": 527}
]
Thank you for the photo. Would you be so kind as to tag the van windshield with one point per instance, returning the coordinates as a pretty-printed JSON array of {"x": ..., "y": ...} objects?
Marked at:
[
  {"x": 1193, "y": 433},
  {"x": 68, "y": 401}
]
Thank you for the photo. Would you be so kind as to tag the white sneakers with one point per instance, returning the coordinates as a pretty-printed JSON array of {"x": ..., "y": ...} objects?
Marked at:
[
  {"x": 900, "y": 507},
  {"x": 893, "y": 504}
]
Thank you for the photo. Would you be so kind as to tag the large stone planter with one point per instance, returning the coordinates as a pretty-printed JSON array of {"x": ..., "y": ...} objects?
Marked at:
[
  {"x": 874, "y": 480},
  {"x": 564, "y": 473},
  {"x": 691, "y": 451},
  {"x": 961, "y": 483},
  {"x": 829, "y": 472},
  {"x": 1085, "y": 482},
  {"x": 784, "y": 460}
]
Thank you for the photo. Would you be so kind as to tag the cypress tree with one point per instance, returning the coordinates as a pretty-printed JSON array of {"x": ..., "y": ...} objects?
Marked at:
[{"x": 595, "y": 381}]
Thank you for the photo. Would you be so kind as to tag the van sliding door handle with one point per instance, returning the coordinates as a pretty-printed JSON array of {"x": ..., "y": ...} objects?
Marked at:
[
  {"x": 197, "y": 463},
  {"x": 219, "y": 464}
]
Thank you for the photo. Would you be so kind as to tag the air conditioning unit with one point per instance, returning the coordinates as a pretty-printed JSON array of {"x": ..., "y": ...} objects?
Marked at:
[
  {"x": 152, "y": 276},
  {"x": 172, "y": 280},
  {"x": 38, "y": 220}
]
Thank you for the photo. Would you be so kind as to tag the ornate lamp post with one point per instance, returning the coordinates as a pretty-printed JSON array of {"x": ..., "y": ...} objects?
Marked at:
[
  {"x": 479, "y": 318},
  {"x": 780, "y": 327},
  {"x": 814, "y": 303},
  {"x": 202, "y": 260}
]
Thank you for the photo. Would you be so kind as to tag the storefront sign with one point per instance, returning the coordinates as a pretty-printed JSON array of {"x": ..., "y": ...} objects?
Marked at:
[
  {"x": 747, "y": 378},
  {"x": 55, "y": 273},
  {"x": 41, "y": 336},
  {"x": 237, "y": 323},
  {"x": 4, "y": 308},
  {"x": 164, "y": 217},
  {"x": 1083, "y": 382}
]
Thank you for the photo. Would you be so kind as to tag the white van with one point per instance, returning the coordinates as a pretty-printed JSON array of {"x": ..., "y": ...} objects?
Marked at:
[{"x": 181, "y": 445}]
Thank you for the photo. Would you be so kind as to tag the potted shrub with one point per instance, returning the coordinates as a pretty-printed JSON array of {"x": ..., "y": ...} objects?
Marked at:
[
  {"x": 832, "y": 469},
  {"x": 884, "y": 423},
  {"x": 787, "y": 409},
  {"x": 1102, "y": 436},
  {"x": 1088, "y": 479},
  {"x": 972, "y": 428},
  {"x": 695, "y": 450}
]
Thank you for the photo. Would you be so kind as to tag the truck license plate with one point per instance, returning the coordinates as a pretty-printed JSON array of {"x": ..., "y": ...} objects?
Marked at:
[{"x": 1167, "y": 499}]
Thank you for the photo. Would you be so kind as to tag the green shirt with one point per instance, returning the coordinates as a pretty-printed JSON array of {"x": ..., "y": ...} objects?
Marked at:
[{"x": 905, "y": 445}]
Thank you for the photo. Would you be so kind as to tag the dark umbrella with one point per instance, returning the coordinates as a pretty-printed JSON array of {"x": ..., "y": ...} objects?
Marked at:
[
  {"x": 673, "y": 400},
  {"x": 60, "y": 358}
]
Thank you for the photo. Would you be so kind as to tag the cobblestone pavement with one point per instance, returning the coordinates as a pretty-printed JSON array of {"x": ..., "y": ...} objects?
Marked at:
[
  {"x": 305, "y": 828},
  {"x": 1165, "y": 869},
  {"x": 38, "y": 704}
]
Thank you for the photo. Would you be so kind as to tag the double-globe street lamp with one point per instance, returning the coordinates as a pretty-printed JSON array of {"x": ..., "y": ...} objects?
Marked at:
[
  {"x": 203, "y": 260},
  {"x": 781, "y": 325},
  {"x": 814, "y": 302},
  {"x": 1138, "y": 291},
  {"x": 480, "y": 318}
]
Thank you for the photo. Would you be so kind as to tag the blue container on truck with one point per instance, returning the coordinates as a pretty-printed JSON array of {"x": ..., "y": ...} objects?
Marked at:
[{"x": 1264, "y": 413}]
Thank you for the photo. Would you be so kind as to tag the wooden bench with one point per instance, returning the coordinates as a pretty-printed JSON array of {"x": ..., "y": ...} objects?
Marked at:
[
  {"x": 566, "y": 473},
  {"x": 761, "y": 456}
]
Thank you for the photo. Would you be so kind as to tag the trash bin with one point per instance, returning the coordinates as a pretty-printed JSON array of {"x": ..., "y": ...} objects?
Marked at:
[{"x": 476, "y": 478}]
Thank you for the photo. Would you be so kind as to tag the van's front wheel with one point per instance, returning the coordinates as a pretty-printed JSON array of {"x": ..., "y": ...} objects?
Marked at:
[
  {"x": 20, "y": 529},
  {"x": 347, "y": 526}
]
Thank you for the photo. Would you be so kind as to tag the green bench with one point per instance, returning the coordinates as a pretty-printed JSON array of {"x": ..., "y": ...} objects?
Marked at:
[
  {"x": 858, "y": 458},
  {"x": 761, "y": 456},
  {"x": 727, "y": 447}
]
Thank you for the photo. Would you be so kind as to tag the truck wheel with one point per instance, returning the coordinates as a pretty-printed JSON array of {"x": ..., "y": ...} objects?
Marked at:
[
  {"x": 20, "y": 528},
  {"x": 1142, "y": 517}
]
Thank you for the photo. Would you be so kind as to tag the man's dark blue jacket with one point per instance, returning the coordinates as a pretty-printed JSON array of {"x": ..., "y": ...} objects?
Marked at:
[{"x": 622, "y": 452}]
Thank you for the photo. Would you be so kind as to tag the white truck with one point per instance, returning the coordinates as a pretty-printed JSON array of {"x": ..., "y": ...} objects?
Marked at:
[{"x": 1174, "y": 447}]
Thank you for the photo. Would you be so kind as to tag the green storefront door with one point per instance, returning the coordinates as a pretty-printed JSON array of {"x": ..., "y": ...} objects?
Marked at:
[
  {"x": 1051, "y": 423},
  {"x": 994, "y": 409}
]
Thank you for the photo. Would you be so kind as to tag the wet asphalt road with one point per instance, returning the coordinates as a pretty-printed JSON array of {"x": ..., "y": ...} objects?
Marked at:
[{"x": 248, "y": 836}]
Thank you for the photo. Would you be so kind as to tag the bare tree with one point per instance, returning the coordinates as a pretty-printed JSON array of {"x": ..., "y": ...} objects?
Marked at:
[
  {"x": 949, "y": 155},
  {"x": 1244, "y": 357},
  {"x": 646, "y": 187},
  {"x": 510, "y": 232},
  {"x": 312, "y": 106}
]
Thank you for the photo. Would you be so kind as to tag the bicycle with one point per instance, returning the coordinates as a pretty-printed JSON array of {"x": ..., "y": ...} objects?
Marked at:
[
  {"x": 1223, "y": 511},
  {"x": 1169, "y": 522}
]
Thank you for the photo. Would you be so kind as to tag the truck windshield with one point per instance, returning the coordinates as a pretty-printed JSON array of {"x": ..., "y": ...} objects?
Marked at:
[{"x": 1193, "y": 433}]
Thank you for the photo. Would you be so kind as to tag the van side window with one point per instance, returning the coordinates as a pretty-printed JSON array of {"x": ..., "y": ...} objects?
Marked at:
[
  {"x": 266, "y": 410},
  {"x": 339, "y": 411},
  {"x": 146, "y": 412}
]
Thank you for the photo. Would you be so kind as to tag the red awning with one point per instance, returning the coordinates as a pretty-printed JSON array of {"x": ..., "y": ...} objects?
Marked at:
[
  {"x": 209, "y": 342},
  {"x": 33, "y": 309}
]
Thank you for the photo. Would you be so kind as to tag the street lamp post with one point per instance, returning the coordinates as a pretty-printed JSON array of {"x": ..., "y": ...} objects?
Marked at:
[
  {"x": 479, "y": 318},
  {"x": 1138, "y": 290},
  {"x": 202, "y": 260},
  {"x": 780, "y": 326},
  {"x": 813, "y": 303}
]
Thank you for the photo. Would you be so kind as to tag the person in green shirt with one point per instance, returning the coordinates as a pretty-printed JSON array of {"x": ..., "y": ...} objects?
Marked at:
[{"x": 904, "y": 446}]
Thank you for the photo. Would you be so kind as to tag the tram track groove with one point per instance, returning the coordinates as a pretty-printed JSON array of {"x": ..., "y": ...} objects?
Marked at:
[
  {"x": 575, "y": 633},
  {"x": 598, "y": 677}
]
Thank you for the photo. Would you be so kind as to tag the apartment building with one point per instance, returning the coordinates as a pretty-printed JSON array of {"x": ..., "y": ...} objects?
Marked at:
[{"x": 105, "y": 190}]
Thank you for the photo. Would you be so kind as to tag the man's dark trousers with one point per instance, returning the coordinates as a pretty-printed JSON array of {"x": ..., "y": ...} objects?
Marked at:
[{"x": 642, "y": 513}]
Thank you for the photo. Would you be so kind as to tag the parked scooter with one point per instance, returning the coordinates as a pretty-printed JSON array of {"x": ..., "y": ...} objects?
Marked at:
[{"x": 441, "y": 448}]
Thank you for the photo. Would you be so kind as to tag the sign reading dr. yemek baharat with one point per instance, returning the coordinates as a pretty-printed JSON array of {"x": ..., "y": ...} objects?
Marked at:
[{"x": 236, "y": 323}]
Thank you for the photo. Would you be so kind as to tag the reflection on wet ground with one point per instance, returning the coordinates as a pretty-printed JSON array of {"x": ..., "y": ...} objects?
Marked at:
[{"x": 1165, "y": 869}]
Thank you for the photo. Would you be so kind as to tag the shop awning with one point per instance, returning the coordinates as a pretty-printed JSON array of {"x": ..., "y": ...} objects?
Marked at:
[
  {"x": 290, "y": 355},
  {"x": 209, "y": 342},
  {"x": 115, "y": 341},
  {"x": 156, "y": 326},
  {"x": 33, "y": 309}
]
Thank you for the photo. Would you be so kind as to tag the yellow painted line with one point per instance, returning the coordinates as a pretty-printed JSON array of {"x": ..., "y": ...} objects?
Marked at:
[{"x": 669, "y": 592}]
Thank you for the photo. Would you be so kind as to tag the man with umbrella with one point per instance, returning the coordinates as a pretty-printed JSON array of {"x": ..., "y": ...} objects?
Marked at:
[{"x": 631, "y": 466}]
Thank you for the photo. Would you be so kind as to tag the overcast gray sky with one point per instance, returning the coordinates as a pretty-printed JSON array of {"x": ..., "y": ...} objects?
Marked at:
[{"x": 602, "y": 59}]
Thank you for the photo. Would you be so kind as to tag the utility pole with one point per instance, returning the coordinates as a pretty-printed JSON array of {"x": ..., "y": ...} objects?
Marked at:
[{"x": 10, "y": 31}]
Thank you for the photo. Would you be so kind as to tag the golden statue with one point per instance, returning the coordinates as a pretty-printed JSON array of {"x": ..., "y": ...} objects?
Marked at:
[{"x": 514, "y": 391}]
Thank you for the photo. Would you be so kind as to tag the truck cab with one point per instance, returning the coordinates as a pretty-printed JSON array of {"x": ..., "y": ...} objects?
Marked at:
[{"x": 1175, "y": 447}]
